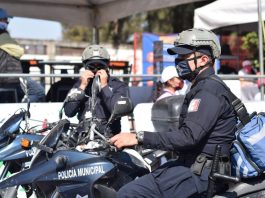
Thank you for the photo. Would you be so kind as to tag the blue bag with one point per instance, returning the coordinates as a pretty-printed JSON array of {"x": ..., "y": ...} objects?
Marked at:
[{"x": 248, "y": 150}]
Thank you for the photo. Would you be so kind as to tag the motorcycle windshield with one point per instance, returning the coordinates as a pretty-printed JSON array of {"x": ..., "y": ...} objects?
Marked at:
[
  {"x": 12, "y": 124},
  {"x": 52, "y": 138}
]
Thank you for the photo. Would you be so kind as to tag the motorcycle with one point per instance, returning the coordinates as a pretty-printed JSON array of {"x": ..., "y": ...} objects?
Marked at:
[
  {"x": 98, "y": 171},
  {"x": 57, "y": 169},
  {"x": 13, "y": 158}
]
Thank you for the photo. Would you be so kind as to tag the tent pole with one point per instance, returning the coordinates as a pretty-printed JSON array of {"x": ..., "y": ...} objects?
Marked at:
[
  {"x": 95, "y": 35},
  {"x": 261, "y": 49}
]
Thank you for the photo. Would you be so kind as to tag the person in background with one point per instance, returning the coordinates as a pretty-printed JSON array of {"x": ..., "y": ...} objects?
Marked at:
[
  {"x": 96, "y": 62},
  {"x": 10, "y": 53},
  {"x": 171, "y": 82},
  {"x": 207, "y": 119},
  {"x": 259, "y": 83},
  {"x": 58, "y": 90},
  {"x": 248, "y": 86},
  {"x": 35, "y": 91}
]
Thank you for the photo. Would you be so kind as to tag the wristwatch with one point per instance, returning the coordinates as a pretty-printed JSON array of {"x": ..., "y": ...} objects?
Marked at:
[{"x": 140, "y": 136}]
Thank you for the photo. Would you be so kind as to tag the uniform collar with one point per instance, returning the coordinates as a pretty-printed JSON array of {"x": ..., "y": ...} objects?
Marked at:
[{"x": 204, "y": 74}]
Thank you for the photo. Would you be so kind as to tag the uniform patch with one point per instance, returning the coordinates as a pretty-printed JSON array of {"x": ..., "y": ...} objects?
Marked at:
[{"x": 194, "y": 105}]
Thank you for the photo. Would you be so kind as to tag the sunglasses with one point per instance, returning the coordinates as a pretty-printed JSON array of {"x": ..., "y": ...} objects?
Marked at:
[{"x": 95, "y": 66}]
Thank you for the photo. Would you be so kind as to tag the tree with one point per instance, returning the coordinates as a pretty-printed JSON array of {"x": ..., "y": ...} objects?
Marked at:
[
  {"x": 251, "y": 44},
  {"x": 77, "y": 33},
  {"x": 162, "y": 21}
]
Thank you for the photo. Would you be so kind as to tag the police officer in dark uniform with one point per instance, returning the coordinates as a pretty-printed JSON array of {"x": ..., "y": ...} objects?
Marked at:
[
  {"x": 207, "y": 119},
  {"x": 96, "y": 62}
]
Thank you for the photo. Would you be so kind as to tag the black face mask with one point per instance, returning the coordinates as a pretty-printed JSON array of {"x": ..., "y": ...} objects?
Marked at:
[{"x": 183, "y": 68}]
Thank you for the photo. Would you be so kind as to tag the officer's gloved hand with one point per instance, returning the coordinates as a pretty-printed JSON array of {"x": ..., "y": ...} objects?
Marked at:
[{"x": 75, "y": 94}]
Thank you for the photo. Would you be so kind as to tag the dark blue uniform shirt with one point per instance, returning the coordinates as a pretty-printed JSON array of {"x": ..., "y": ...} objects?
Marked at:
[
  {"x": 207, "y": 118},
  {"x": 105, "y": 103}
]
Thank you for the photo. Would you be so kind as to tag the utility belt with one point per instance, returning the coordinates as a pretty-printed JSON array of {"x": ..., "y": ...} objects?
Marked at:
[
  {"x": 202, "y": 161},
  {"x": 198, "y": 163}
]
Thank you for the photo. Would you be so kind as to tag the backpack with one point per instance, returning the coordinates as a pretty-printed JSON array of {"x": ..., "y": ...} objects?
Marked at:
[{"x": 248, "y": 149}]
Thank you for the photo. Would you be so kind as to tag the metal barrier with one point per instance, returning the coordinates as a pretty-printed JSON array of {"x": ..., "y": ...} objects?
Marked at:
[
  {"x": 224, "y": 77},
  {"x": 137, "y": 76}
]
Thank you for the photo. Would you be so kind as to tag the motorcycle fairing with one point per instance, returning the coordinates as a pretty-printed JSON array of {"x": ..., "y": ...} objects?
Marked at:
[
  {"x": 76, "y": 169},
  {"x": 126, "y": 160},
  {"x": 14, "y": 151}
]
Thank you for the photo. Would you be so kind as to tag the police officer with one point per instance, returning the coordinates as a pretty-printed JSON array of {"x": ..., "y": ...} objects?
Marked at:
[
  {"x": 10, "y": 54},
  {"x": 207, "y": 119},
  {"x": 96, "y": 62}
]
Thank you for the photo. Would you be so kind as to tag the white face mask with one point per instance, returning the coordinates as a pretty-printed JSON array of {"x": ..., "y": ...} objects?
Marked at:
[{"x": 3, "y": 26}]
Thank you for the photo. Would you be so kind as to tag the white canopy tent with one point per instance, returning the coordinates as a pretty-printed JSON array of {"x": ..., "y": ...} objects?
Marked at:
[
  {"x": 223, "y": 13},
  {"x": 227, "y": 12},
  {"x": 92, "y": 13}
]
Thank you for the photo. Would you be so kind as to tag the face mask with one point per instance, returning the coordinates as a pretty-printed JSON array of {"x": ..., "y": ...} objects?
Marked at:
[
  {"x": 183, "y": 69},
  {"x": 3, "y": 26}
]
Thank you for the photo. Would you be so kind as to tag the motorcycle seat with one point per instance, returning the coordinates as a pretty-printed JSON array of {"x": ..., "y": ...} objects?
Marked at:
[{"x": 251, "y": 186}]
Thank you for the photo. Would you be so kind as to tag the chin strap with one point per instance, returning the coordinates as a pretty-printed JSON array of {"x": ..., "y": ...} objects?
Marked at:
[{"x": 198, "y": 69}]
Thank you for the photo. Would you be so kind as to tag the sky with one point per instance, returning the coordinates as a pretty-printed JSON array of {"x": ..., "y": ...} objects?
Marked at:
[{"x": 27, "y": 28}]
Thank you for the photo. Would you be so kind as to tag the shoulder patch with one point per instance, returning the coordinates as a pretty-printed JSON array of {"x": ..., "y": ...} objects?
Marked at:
[{"x": 194, "y": 105}]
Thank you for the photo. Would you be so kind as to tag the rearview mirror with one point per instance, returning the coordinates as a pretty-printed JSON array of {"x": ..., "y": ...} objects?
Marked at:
[{"x": 121, "y": 108}]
